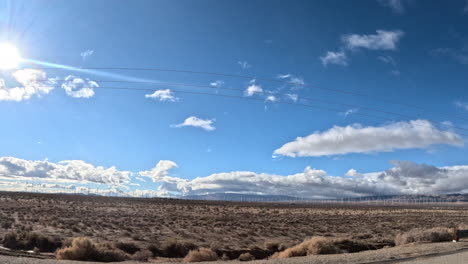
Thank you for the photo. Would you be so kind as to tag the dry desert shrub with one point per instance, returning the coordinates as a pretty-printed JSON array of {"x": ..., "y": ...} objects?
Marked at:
[
  {"x": 436, "y": 234},
  {"x": 29, "y": 241},
  {"x": 127, "y": 247},
  {"x": 85, "y": 250},
  {"x": 322, "y": 245},
  {"x": 143, "y": 255},
  {"x": 273, "y": 246},
  {"x": 201, "y": 254},
  {"x": 176, "y": 249},
  {"x": 246, "y": 257},
  {"x": 154, "y": 249}
]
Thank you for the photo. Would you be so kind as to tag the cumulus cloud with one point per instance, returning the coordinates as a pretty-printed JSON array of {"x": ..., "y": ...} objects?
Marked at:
[
  {"x": 403, "y": 178},
  {"x": 253, "y": 89},
  {"x": 206, "y": 124},
  {"x": 359, "y": 139},
  {"x": 160, "y": 172},
  {"x": 383, "y": 40},
  {"x": 79, "y": 88},
  {"x": 395, "y": 5},
  {"x": 271, "y": 98},
  {"x": 32, "y": 82},
  {"x": 86, "y": 54},
  {"x": 163, "y": 95},
  {"x": 73, "y": 170},
  {"x": 338, "y": 58}
]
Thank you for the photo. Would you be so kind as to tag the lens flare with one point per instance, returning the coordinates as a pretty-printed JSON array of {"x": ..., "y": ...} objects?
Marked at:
[{"x": 9, "y": 56}]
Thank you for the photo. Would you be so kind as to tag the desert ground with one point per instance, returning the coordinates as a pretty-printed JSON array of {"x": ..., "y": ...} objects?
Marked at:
[{"x": 168, "y": 228}]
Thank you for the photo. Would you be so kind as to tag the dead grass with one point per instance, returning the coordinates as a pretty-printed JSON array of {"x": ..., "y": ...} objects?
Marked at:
[
  {"x": 201, "y": 254},
  {"x": 85, "y": 250},
  {"x": 436, "y": 234},
  {"x": 323, "y": 245},
  {"x": 171, "y": 228}
]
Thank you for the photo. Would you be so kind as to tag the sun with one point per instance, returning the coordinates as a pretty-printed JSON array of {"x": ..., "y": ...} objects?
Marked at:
[{"x": 9, "y": 56}]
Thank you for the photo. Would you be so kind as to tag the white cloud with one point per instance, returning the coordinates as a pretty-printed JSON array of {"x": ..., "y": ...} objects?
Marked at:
[
  {"x": 350, "y": 112},
  {"x": 244, "y": 64},
  {"x": 271, "y": 98},
  {"x": 359, "y": 139},
  {"x": 78, "y": 87},
  {"x": 297, "y": 81},
  {"x": 383, "y": 40},
  {"x": 206, "y": 124},
  {"x": 338, "y": 58},
  {"x": 86, "y": 54},
  {"x": 387, "y": 59},
  {"x": 462, "y": 105},
  {"x": 292, "y": 97},
  {"x": 284, "y": 76},
  {"x": 73, "y": 170},
  {"x": 33, "y": 82},
  {"x": 217, "y": 84},
  {"x": 395, "y": 5},
  {"x": 253, "y": 89},
  {"x": 140, "y": 179},
  {"x": 160, "y": 173},
  {"x": 294, "y": 81},
  {"x": 403, "y": 178},
  {"x": 163, "y": 95}
]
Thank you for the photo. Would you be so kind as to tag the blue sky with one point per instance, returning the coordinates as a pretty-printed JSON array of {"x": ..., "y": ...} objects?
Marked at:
[{"x": 408, "y": 52}]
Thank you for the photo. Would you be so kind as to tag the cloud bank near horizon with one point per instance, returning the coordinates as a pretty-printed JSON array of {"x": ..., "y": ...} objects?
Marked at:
[{"x": 403, "y": 178}]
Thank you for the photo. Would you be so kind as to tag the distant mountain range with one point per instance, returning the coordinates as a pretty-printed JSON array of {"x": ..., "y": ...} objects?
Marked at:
[{"x": 236, "y": 197}]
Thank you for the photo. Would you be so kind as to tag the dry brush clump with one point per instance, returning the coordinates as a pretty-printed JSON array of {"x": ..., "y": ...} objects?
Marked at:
[
  {"x": 127, "y": 247},
  {"x": 201, "y": 254},
  {"x": 436, "y": 234},
  {"x": 246, "y": 257},
  {"x": 85, "y": 250},
  {"x": 176, "y": 249},
  {"x": 30, "y": 241},
  {"x": 142, "y": 255},
  {"x": 323, "y": 245}
]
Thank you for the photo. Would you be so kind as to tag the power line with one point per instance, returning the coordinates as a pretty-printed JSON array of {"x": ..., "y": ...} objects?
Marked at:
[
  {"x": 262, "y": 100},
  {"x": 302, "y": 98},
  {"x": 258, "y": 78}
]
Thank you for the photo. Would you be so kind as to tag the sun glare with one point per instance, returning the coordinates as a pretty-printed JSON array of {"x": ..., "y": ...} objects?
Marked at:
[{"x": 9, "y": 56}]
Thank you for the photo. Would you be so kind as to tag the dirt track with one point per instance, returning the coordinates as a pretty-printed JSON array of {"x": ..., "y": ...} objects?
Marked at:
[{"x": 452, "y": 253}]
